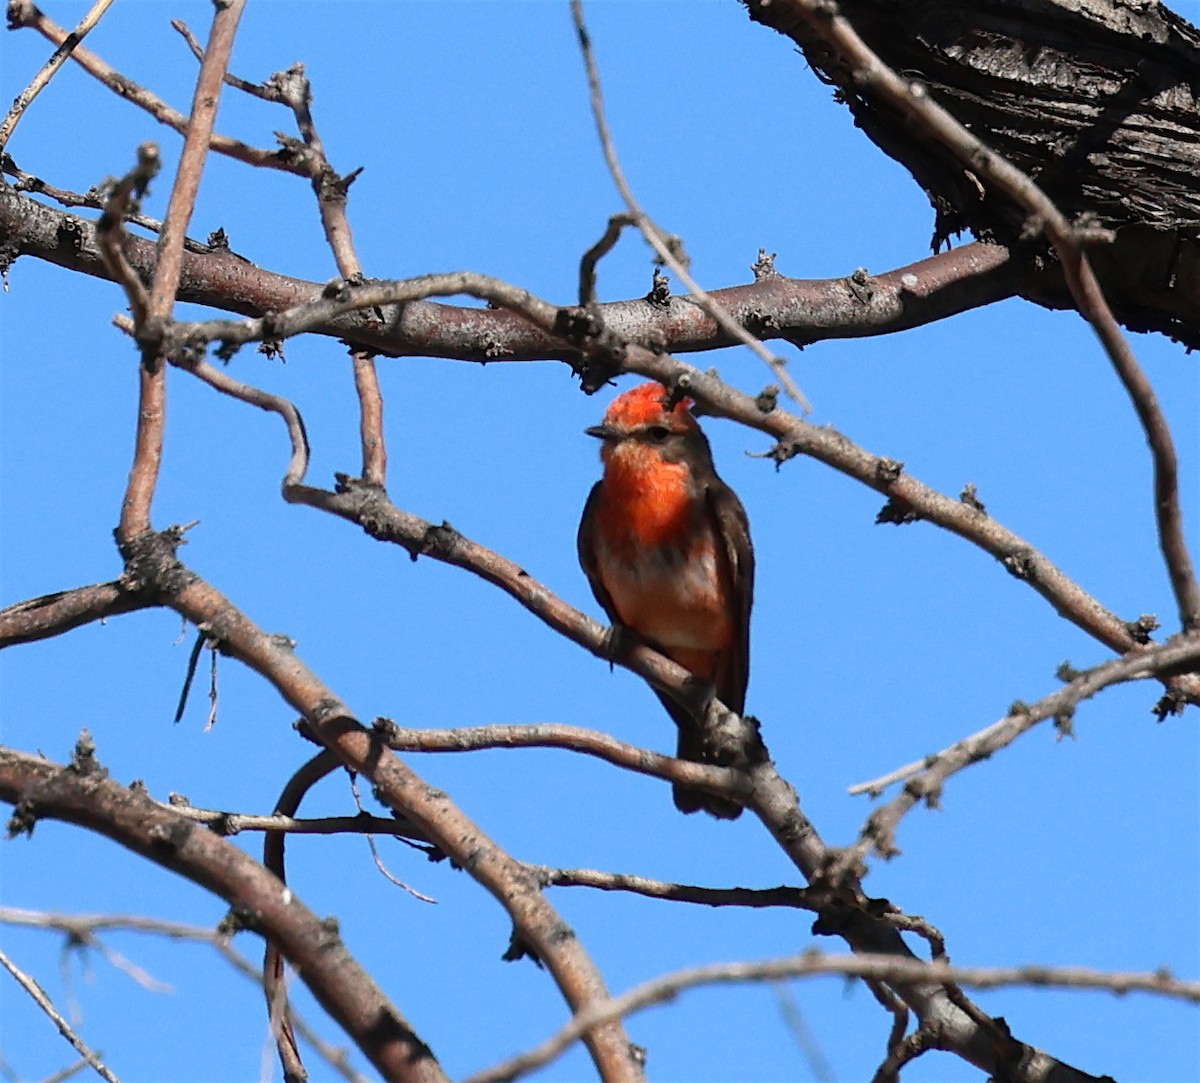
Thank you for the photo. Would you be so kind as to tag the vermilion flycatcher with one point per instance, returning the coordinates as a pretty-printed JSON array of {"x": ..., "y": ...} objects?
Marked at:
[{"x": 666, "y": 547}]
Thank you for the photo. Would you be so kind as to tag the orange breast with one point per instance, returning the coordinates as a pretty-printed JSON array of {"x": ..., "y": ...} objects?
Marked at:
[{"x": 659, "y": 558}]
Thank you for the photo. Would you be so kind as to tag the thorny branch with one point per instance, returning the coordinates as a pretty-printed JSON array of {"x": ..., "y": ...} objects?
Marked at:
[{"x": 927, "y": 777}]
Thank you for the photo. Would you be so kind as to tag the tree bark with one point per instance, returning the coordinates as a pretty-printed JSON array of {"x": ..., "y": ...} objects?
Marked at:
[{"x": 1096, "y": 100}]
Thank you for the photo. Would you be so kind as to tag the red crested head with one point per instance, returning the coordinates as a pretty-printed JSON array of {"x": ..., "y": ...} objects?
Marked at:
[{"x": 646, "y": 405}]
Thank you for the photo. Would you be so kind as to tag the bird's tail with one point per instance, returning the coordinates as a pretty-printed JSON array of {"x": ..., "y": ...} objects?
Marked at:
[{"x": 688, "y": 799}]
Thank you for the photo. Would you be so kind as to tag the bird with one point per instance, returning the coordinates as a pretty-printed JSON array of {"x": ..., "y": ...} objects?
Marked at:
[{"x": 665, "y": 545}]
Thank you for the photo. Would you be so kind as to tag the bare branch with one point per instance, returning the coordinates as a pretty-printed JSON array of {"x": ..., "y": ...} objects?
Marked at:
[
  {"x": 332, "y": 722},
  {"x": 25, "y": 13},
  {"x": 797, "y": 897},
  {"x": 81, "y": 794},
  {"x": 867, "y": 71},
  {"x": 927, "y": 777},
  {"x": 152, "y": 393},
  {"x": 87, "y": 927},
  {"x": 879, "y": 967},
  {"x": 52, "y": 614},
  {"x": 39, "y": 82},
  {"x": 722, "y": 780},
  {"x": 667, "y": 251},
  {"x": 797, "y": 310},
  {"x": 39, "y": 997}
]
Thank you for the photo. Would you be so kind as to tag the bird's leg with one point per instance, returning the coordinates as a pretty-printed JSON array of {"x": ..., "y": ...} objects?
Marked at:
[{"x": 618, "y": 642}]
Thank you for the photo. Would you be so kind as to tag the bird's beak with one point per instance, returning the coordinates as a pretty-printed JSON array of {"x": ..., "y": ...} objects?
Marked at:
[{"x": 602, "y": 432}]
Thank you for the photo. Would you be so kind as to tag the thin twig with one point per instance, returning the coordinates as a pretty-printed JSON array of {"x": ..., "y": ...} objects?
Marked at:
[
  {"x": 928, "y": 776},
  {"x": 383, "y": 869},
  {"x": 152, "y": 401},
  {"x": 797, "y": 897},
  {"x": 256, "y": 90},
  {"x": 24, "y": 13},
  {"x": 121, "y": 204},
  {"x": 654, "y": 235},
  {"x": 590, "y": 258},
  {"x": 881, "y": 967},
  {"x": 81, "y": 793},
  {"x": 912, "y": 99},
  {"x": 88, "y": 926},
  {"x": 264, "y": 400},
  {"x": 64, "y": 1028},
  {"x": 331, "y": 190},
  {"x": 59, "y": 57}
]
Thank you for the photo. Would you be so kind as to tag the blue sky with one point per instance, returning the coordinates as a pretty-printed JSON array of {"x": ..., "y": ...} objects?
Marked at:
[{"x": 871, "y": 645}]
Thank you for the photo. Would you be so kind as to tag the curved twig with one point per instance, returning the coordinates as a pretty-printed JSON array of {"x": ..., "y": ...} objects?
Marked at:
[{"x": 667, "y": 251}]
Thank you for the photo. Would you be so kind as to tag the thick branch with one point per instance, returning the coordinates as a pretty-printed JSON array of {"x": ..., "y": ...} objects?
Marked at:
[
  {"x": 82, "y": 794},
  {"x": 331, "y": 721},
  {"x": 52, "y": 614},
  {"x": 798, "y": 310}
]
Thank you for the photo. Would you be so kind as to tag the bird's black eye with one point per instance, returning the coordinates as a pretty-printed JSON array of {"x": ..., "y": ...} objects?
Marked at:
[{"x": 658, "y": 433}]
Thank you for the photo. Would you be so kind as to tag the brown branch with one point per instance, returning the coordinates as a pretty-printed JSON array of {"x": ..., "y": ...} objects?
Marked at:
[
  {"x": 39, "y": 82},
  {"x": 25, "y": 13},
  {"x": 865, "y": 70},
  {"x": 152, "y": 389},
  {"x": 592, "y": 257},
  {"x": 52, "y": 614},
  {"x": 879, "y": 967},
  {"x": 797, "y": 310},
  {"x": 927, "y": 777},
  {"x": 757, "y": 898},
  {"x": 723, "y": 780},
  {"x": 330, "y": 720},
  {"x": 667, "y": 248},
  {"x": 121, "y": 204},
  {"x": 279, "y": 1010},
  {"x": 191, "y": 361},
  {"x": 292, "y": 88},
  {"x": 82, "y": 795}
]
